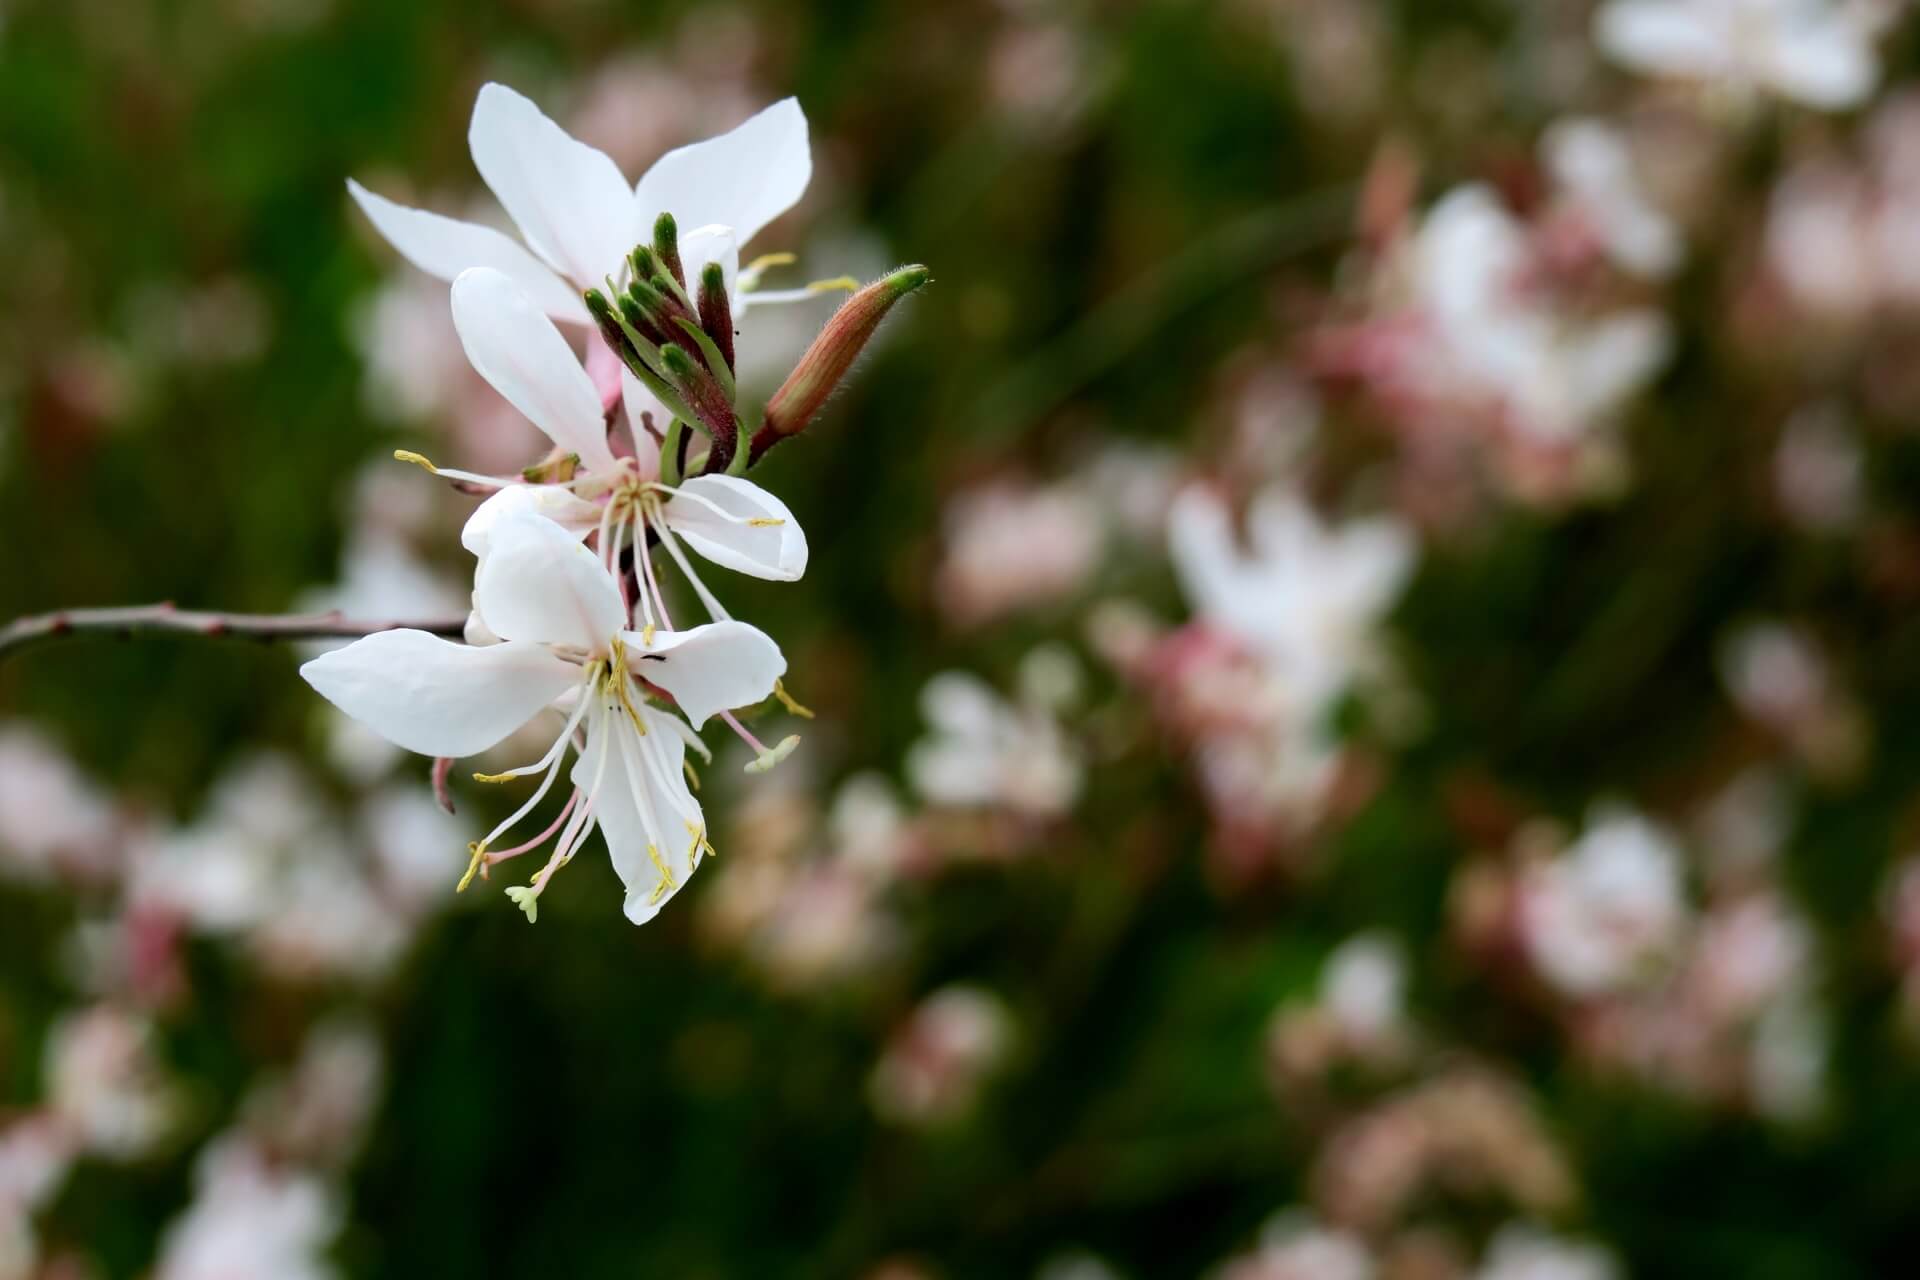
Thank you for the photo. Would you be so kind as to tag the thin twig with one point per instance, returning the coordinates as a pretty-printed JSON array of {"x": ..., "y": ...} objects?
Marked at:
[{"x": 23, "y": 633}]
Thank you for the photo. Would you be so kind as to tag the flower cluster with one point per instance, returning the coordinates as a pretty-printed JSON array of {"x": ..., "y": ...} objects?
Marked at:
[{"x": 570, "y": 618}]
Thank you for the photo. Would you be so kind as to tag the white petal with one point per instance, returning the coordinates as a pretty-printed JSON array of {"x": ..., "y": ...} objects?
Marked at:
[
  {"x": 1661, "y": 37},
  {"x": 445, "y": 247},
  {"x": 436, "y": 697},
  {"x": 635, "y": 765},
  {"x": 519, "y": 352},
  {"x": 777, "y": 551},
  {"x": 641, "y": 404},
  {"x": 1210, "y": 567},
  {"x": 715, "y": 242},
  {"x": 572, "y": 513},
  {"x": 710, "y": 668},
  {"x": 538, "y": 583},
  {"x": 1827, "y": 66},
  {"x": 569, "y": 200},
  {"x": 744, "y": 179}
]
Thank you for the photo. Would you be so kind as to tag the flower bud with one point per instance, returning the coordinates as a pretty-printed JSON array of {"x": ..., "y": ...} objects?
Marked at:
[
  {"x": 826, "y": 362},
  {"x": 666, "y": 244},
  {"x": 704, "y": 396},
  {"x": 716, "y": 310}
]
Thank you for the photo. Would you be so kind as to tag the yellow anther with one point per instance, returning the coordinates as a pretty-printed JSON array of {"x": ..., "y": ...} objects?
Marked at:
[
  {"x": 417, "y": 459},
  {"x": 618, "y": 676},
  {"x": 646, "y": 635},
  {"x": 766, "y": 260},
  {"x": 836, "y": 285},
  {"x": 700, "y": 841},
  {"x": 477, "y": 855},
  {"x": 786, "y": 700},
  {"x": 666, "y": 884},
  {"x": 693, "y": 779},
  {"x": 495, "y": 777},
  {"x": 765, "y": 522}
]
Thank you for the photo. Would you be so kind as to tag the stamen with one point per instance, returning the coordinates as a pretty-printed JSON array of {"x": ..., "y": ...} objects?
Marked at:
[
  {"x": 470, "y": 477},
  {"x": 653, "y": 583},
  {"x": 672, "y": 544},
  {"x": 665, "y": 884},
  {"x": 787, "y": 701},
  {"x": 759, "y": 747},
  {"x": 749, "y": 277},
  {"x": 700, "y": 842},
  {"x": 684, "y": 495},
  {"x": 643, "y": 571},
  {"x": 551, "y": 762},
  {"x": 693, "y": 779},
  {"x": 504, "y": 854}
]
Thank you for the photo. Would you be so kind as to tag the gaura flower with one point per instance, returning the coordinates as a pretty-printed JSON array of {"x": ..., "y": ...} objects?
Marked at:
[
  {"x": 1592, "y": 165},
  {"x": 1304, "y": 595},
  {"x": 564, "y": 642},
  {"x": 728, "y": 520},
  {"x": 1815, "y": 52},
  {"x": 577, "y": 215}
]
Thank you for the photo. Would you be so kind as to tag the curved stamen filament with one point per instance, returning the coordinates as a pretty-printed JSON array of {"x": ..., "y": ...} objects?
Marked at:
[
  {"x": 502, "y": 855},
  {"x": 746, "y": 735},
  {"x": 551, "y": 762},
  {"x": 672, "y": 544}
]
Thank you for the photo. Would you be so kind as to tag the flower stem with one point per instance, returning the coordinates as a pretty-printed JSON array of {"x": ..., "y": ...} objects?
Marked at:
[{"x": 133, "y": 620}]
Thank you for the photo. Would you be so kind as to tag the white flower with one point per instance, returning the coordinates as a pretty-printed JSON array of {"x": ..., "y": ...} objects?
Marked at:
[
  {"x": 1523, "y": 1252},
  {"x": 564, "y": 639},
  {"x": 52, "y": 817},
  {"x": 727, "y": 519},
  {"x": 104, "y": 1082},
  {"x": 1553, "y": 373},
  {"x": 1364, "y": 986},
  {"x": 1594, "y": 918},
  {"x": 1592, "y": 164},
  {"x": 250, "y": 1218},
  {"x": 1293, "y": 1246},
  {"x": 1303, "y": 596},
  {"x": 935, "y": 1065},
  {"x": 985, "y": 752},
  {"x": 1817, "y": 52},
  {"x": 1012, "y": 547},
  {"x": 579, "y": 217}
]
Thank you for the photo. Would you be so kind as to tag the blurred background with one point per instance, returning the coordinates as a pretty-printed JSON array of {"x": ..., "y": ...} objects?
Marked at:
[{"x": 1363, "y": 637}]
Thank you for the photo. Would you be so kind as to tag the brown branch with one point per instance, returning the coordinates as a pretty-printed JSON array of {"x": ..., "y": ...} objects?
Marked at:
[{"x": 129, "y": 621}]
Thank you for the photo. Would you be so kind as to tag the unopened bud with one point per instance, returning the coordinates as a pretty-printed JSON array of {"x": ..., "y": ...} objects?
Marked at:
[
  {"x": 703, "y": 393},
  {"x": 716, "y": 310},
  {"x": 826, "y": 362},
  {"x": 639, "y": 306},
  {"x": 605, "y": 320},
  {"x": 666, "y": 243},
  {"x": 641, "y": 263}
]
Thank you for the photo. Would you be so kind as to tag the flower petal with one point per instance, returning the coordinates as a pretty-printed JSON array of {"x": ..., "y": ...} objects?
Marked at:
[
  {"x": 436, "y": 697},
  {"x": 572, "y": 513},
  {"x": 640, "y": 405},
  {"x": 1829, "y": 66},
  {"x": 538, "y": 583},
  {"x": 641, "y": 800},
  {"x": 569, "y": 200},
  {"x": 710, "y": 668},
  {"x": 740, "y": 526},
  {"x": 715, "y": 242},
  {"x": 445, "y": 247},
  {"x": 744, "y": 179},
  {"x": 523, "y": 357},
  {"x": 1660, "y": 37}
]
